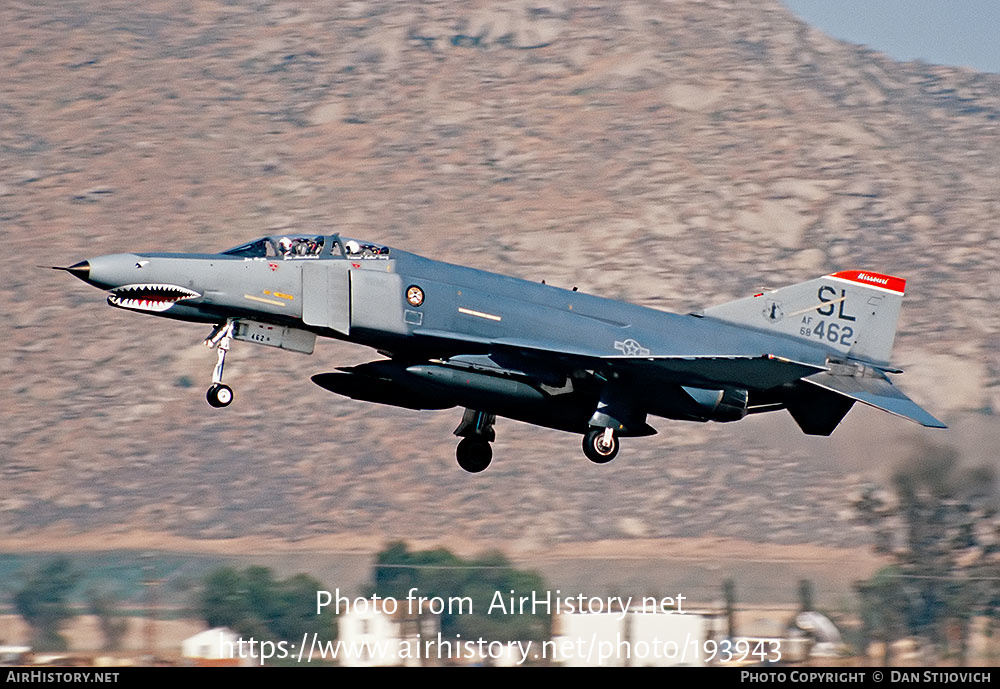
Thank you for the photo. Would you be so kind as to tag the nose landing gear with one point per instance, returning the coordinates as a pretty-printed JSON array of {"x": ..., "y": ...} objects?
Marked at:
[{"x": 220, "y": 395}]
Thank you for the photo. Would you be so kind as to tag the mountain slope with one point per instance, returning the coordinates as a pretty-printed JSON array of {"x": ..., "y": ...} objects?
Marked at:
[{"x": 675, "y": 154}]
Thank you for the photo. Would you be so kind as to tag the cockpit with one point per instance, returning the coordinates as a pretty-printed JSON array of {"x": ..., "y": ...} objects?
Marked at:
[
  {"x": 293, "y": 246},
  {"x": 284, "y": 246},
  {"x": 353, "y": 248}
]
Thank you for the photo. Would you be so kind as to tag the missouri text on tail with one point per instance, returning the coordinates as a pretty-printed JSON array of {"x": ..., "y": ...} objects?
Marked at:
[{"x": 453, "y": 336}]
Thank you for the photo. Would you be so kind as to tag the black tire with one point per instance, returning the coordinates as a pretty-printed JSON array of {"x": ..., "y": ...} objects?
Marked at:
[
  {"x": 474, "y": 455},
  {"x": 594, "y": 448},
  {"x": 220, "y": 395}
]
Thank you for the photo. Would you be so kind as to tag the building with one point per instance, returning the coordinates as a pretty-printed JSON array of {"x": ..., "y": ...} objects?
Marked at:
[
  {"x": 215, "y": 647},
  {"x": 636, "y": 638},
  {"x": 374, "y": 638}
]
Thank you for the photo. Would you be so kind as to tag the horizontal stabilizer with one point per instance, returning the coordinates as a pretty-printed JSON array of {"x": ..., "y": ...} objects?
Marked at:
[{"x": 877, "y": 392}]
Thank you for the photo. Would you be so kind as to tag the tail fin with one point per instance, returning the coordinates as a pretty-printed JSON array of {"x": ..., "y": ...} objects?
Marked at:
[{"x": 853, "y": 312}]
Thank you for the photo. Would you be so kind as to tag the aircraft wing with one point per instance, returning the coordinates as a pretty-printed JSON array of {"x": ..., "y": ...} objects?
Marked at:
[
  {"x": 761, "y": 372},
  {"x": 745, "y": 370},
  {"x": 877, "y": 392},
  {"x": 758, "y": 371}
]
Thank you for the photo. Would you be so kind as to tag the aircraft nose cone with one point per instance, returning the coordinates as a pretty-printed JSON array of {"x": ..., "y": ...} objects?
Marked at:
[{"x": 81, "y": 270}]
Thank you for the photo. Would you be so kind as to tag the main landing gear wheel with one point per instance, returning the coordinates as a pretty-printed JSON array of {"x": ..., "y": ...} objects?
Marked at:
[
  {"x": 220, "y": 395},
  {"x": 474, "y": 455},
  {"x": 600, "y": 445}
]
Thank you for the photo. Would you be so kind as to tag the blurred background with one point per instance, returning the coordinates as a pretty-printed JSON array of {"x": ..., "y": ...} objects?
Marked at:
[{"x": 673, "y": 154}]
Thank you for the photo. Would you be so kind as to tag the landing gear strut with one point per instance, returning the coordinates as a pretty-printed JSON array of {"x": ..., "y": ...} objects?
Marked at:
[
  {"x": 600, "y": 445},
  {"x": 220, "y": 395},
  {"x": 474, "y": 452}
]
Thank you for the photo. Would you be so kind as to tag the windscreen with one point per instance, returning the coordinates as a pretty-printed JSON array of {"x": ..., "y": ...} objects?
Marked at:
[{"x": 259, "y": 248}]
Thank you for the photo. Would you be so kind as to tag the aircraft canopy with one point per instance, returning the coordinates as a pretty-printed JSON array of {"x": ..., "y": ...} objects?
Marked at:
[
  {"x": 281, "y": 246},
  {"x": 308, "y": 246}
]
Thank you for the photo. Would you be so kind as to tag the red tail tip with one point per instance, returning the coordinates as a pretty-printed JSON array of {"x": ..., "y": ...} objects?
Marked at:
[{"x": 872, "y": 279}]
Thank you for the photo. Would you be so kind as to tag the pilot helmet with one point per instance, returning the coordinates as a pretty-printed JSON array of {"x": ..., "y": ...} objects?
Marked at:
[
  {"x": 285, "y": 244},
  {"x": 352, "y": 247}
]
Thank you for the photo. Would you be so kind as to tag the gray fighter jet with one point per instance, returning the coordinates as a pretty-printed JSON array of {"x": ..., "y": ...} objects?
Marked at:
[{"x": 502, "y": 346}]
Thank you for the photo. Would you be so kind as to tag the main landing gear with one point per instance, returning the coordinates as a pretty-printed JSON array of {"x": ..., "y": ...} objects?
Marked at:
[
  {"x": 474, "y": 452},
  {"x": 220, "y": 395},
  {"x": 474, "y": 455},
  {"x": 601, "y": 445}
]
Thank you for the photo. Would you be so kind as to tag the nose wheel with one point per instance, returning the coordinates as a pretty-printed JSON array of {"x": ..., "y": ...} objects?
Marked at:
[
  {"x": 600, "y": 445},
  {"x": 220, "y": 394}
]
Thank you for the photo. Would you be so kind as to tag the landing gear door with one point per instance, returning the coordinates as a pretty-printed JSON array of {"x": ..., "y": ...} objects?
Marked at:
[{"x": 326, "y": 295}]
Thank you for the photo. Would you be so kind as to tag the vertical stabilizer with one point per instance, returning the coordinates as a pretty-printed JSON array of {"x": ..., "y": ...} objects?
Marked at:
[{"x": 853, "y": 312}]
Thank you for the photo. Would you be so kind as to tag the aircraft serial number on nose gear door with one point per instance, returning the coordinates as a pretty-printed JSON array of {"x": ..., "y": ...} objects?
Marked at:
[{"x": 282, "y": 337}]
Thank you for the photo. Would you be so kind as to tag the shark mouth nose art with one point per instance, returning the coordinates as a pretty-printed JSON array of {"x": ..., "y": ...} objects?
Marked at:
[{"x": 149, "y": 297}]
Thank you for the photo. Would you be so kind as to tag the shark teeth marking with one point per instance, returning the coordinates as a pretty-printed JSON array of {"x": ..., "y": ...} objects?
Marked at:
[{"x": 149, "y": 296}]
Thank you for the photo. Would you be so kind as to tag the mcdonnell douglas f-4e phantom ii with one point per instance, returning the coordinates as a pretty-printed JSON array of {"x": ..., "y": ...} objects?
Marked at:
[{"x": 502, "y": 346}]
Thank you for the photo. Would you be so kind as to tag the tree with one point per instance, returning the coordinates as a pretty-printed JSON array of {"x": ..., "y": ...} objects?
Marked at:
[
  {"x": 441, "y": 574},
  {"x": 940, "y": 527},
  {"x": 253, "y": 603},
  {"x": 883, "y": 609},
  {"x": 43, "y": 605},
  {"x": 113, "y": 625}
]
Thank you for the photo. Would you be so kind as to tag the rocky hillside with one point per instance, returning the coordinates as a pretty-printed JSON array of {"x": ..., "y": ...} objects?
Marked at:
[{"x": 675, "y": 154}]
